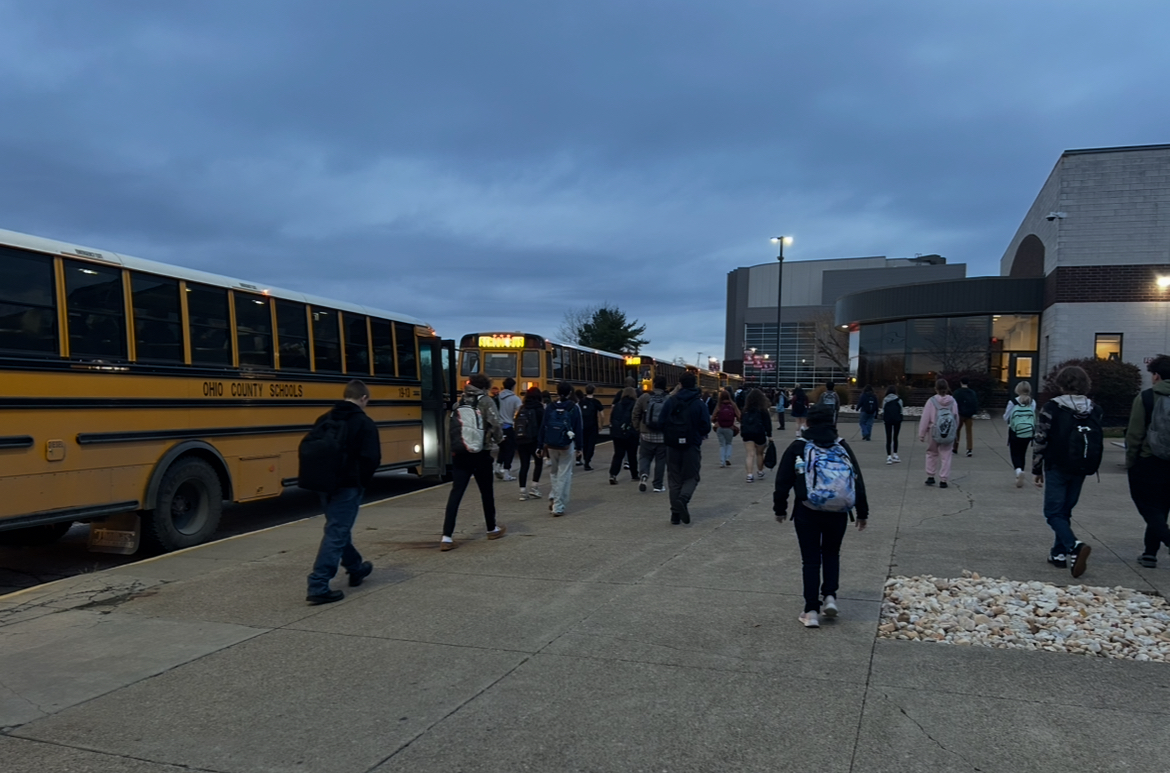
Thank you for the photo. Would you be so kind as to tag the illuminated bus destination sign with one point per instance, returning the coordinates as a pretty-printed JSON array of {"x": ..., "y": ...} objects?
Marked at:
[
  {"x": 501, "y": 342},
  {"x": 633, "y": 360}
]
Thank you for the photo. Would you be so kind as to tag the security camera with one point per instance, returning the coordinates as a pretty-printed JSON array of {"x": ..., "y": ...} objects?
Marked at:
[{"x": 1055, "y": 215}]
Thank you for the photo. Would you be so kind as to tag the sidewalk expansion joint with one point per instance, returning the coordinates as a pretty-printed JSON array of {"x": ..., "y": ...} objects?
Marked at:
[
  {"x": 932, "y": 739},
  {"x": 114, "y": 755}
]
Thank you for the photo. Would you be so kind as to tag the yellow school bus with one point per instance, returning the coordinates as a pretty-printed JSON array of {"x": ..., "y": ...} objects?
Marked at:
[
  {"x": 645, "y": 369},
  {"x": 129, "y": 386}
]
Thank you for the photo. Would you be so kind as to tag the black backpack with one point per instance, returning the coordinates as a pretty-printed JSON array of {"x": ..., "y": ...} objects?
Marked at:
[
  {"x": 653, "y": 418},
  {"x": 526, "y": 425},
  {"x": 892, "y": 412},
  {"x": 589, "y": 412},
  {"x": 621, "y": 420},
  {"x": 676, "y": 429},
  {"x": 750, "y": 423},
  {"x": 321, "y": 456},
  {"x": 868, "y": 403},
  {"x": 1084, "y": 442}
]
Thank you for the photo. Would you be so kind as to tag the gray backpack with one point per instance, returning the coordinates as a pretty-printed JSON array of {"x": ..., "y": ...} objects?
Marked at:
[
  {"x": 1157, "y": 423},
  {"x": 945, "y": 426}
]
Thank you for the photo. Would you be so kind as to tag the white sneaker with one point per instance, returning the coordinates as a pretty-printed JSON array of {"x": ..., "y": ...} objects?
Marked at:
[
  {"x": 1019, "y": 478},
  {"x": 889, "y": 460},
  {"x": 829, "y": 607},
  {"x": 750, "y": 479},
  {"x": 810, "y": 620},
  {"x": 508, "y": 476},
  {"x": 760, "y": 475},
  {"x": 896, "y": 459},
  {"x": 534, "y": 492},
  {"x": 523, "y": 495}
]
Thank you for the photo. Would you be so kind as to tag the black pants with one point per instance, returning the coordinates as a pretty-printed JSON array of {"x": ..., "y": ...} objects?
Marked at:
[
  {"x": 820, "y": 536},
  {"x": 464, "y": 467},
  {"x": 589, "y": 442},
  {"x": 682, "y": 475},
  {"x": 627, "y": 449},
  {"x": 1151, "y": 495},
  {"x": 892, "y": 430},
  {"x": 528, "y": 453},
  {"x": 507, "y": 448},
  {"x": 1018, "y": 447}
]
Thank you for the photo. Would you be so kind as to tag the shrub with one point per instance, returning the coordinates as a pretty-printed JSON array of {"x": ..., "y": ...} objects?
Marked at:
[{"x": 1114, "y": 384}]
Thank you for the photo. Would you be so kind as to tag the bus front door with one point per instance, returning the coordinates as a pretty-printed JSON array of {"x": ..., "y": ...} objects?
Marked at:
[{"x": 437, "y": 371}]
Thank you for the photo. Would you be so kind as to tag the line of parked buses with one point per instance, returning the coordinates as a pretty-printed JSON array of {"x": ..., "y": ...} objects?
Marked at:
[{"x": 139, "y": 397}]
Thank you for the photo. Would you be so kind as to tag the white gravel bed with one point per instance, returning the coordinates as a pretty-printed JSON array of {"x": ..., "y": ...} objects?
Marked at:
[{"x": 982, "y": 612}]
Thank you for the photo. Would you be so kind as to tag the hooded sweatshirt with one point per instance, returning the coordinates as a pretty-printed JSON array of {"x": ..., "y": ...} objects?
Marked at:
[
  {"x": 509, "y": 404},
  {"x": 823, "y": 435},
  {"x": 1136, "y": 445},
  {"x": 1051, "y": 433},
  {"x": 363, "y": 447},
  {"x": 893, "y": 399}
]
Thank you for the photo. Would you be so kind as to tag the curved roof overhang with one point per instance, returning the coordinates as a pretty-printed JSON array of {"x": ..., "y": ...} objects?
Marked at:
[{"x": 949, "y": 298}]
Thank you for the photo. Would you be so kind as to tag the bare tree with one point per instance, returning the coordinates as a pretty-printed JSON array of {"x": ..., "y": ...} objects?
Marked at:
[
  {"x": 959, "y": 348},
  {"x": 832, "y": 343},
  {"x": 574, "y": 322}
]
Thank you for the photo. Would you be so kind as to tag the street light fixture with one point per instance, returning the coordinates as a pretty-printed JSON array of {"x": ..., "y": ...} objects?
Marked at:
[{"x": 779, "y": 241}]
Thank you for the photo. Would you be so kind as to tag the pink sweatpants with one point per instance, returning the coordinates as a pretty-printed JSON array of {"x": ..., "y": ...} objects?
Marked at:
[{"x": 938, "y": 459}]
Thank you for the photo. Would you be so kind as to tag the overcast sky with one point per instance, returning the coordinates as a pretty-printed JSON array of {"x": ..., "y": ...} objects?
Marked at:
[{"x": 488, "y": 165}]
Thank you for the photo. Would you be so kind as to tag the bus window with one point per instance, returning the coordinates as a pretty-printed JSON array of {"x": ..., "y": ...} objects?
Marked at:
[
  {"x": 293, "y": 329},
  {"x": 327, "y": 340},
  {"x": 558, "y": 363},
  {"x": 407, "y": 360},
  {"x": 253, "y": 331},
  {"x": 470, "y": 364},
  {"x": 357, "y": 345},
  {"x": 530, "y": 364},
  {"x": 158, "y": 319},
  {"x": 499, "y": 364},
  {"x": 28, "y": 314},
  {"x": 383, "y": 347},
  {"x": 207, "y": 312},
  {"x": 97, "y": 314}
]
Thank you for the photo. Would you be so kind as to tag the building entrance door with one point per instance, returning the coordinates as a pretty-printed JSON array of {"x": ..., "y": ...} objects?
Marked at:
[{"x": 1023, "y": 366}]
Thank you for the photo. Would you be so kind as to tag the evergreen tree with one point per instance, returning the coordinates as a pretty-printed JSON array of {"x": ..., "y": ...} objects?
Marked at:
[{"x": 609, "y": 331}]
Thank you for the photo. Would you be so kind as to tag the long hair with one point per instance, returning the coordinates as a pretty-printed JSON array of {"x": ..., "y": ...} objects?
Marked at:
[
  {"x": 1024, "y": 392},
  {"x": 756, "y": 401},
  {"x": 725, "y": 396},
  {"x": 942, "y": 387}
]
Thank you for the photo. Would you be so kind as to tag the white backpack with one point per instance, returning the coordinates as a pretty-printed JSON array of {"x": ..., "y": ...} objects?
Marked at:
[
  {"x": 466, "y": 428},
  {"x": 945, "y": 425}
]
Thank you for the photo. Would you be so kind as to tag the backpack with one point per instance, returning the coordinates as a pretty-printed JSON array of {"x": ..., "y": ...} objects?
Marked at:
[
  {"x": 892, "y": 412},
  {"x": 945, "y": 426},
  {"x": 751, "y": 424},
  {"x": 1022, "y": 422},
  {"x": 800, "y": 401},
  {"x": 621, "y": 420},
  {"x": 527, "y": 425},
  {"x": 1084, "y": 445},
  {"x": 828, "y": 398},
  {"x": 867, "y": 403},
  {"x": 829, "y": 478},
  {"x": 967, "y": 401},
  {"x": 1157, "y": 423},
  {"x": 740, "y": 398},
  {"x": 466, "y": 431},
  {"x": 558, "y": 425},
  {"x": 676, "y": 428},
  {"x": 321, "y": 455},
  {"x": 725, "y": 416},
  {"x": 655, "y": 408},
  {"x": 589, "y": 411}
]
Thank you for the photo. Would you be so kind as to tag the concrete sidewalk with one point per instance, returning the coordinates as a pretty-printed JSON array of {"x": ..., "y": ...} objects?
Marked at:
[{"x": 605, "y": 640}]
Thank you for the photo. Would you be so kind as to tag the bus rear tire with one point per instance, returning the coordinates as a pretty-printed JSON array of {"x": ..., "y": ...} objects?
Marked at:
[
  {"x": 35, "y": 536},
  {"x": 188, "y": 508}
]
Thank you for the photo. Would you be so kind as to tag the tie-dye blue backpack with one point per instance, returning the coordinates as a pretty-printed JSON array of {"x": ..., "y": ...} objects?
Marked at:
[{"x": 829, "y": 478}]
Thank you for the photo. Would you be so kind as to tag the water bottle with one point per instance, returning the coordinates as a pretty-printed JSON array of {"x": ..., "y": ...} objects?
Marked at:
[{"x": 800, "y": 465}]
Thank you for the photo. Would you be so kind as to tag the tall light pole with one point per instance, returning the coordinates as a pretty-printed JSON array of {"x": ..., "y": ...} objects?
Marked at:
[{"x": 779, "y": 241}]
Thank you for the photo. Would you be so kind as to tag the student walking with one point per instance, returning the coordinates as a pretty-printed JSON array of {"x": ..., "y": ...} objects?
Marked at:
[
  {"x": 529, "y": 419},
  {"x": 781, "y": 403},
  {"x": 724, "y": 419},
  {"x": 1147, "y": 459},
  {"x": 892, "y": 418},
  {"x": 468, "y": 463},
  {"x": 939, "y": 418},
  {"x": 508, "y": 403},
  {"x": 685, "y": 426},
  {"x": 867, "y": 408},
  {"x": 968, "y": 403},
  {"x": 624, "y": 436},
  {"x": 799, "y": 408},
  {"x": 591, "y": 409},
  {"x": 830, "y": 398},
  {"x": 1067, "y": 448},
  {"x": 649, "y": 410},
  {"x": 560, "y": 434},
  {"x": 339, "y": 475},
  {"x": 1020, "y": 416},
  {"x": 826, "y": 462},
  {"x": 755, "y": 424}
]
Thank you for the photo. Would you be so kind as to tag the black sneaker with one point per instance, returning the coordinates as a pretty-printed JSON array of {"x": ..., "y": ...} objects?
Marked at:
[
  {"x": 612, "y": 480},
  {"x": 1148, "y": 561},
  {"x": 1059, "y": 561},
  {"x": 359, "y": 574},
  {"x": 686, "y": 516},
  {"x": 1080, "y": 558},
  {"x": 969, "y": 453},
  {"x": 942, "y": 484},
  {"x": 642, "y": 483},
  {"x": 325, "y": 598},
  {"x": 930, "y": 481}
]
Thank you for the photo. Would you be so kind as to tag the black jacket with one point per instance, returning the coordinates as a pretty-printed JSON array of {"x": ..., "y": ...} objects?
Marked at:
[
  {"x": 363, "y": 447},
  {"x": 688, "y": 400},
  {"x": 537, "y": 405},
  {"x": 968, "y": 401},
  {"x": 787, "y": 478}
]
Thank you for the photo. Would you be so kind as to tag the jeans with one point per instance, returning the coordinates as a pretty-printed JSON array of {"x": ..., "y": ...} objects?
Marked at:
[
  {"x": 649, "y": 450},
  {"x": 968, "y": 422},
  {"x": 892, "y": 430},
  {"x": 1151, "y": 496},
  {"x": 560, "y": 475},
  {"x": 866, "y": 422},
  {"x": 507, "y": 448},
  {"x": 682, "y": 471},
  {"x": 819, "y": 535},
  {"x": 726, "y": 435},
  {"x": 589, "y": 438},
  {"x": 528, "y": 454},
  {"x": 341, "y": 510},
  {"x": 627, "y": 449},
  {"x": 1061, "y": 492},
  {"x": 464, "y": 467},
  {"x": 1018, "y": 448}
]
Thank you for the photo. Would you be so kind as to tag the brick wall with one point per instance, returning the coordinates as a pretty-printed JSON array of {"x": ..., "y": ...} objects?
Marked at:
[{"x": 1105, "y": 284}]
